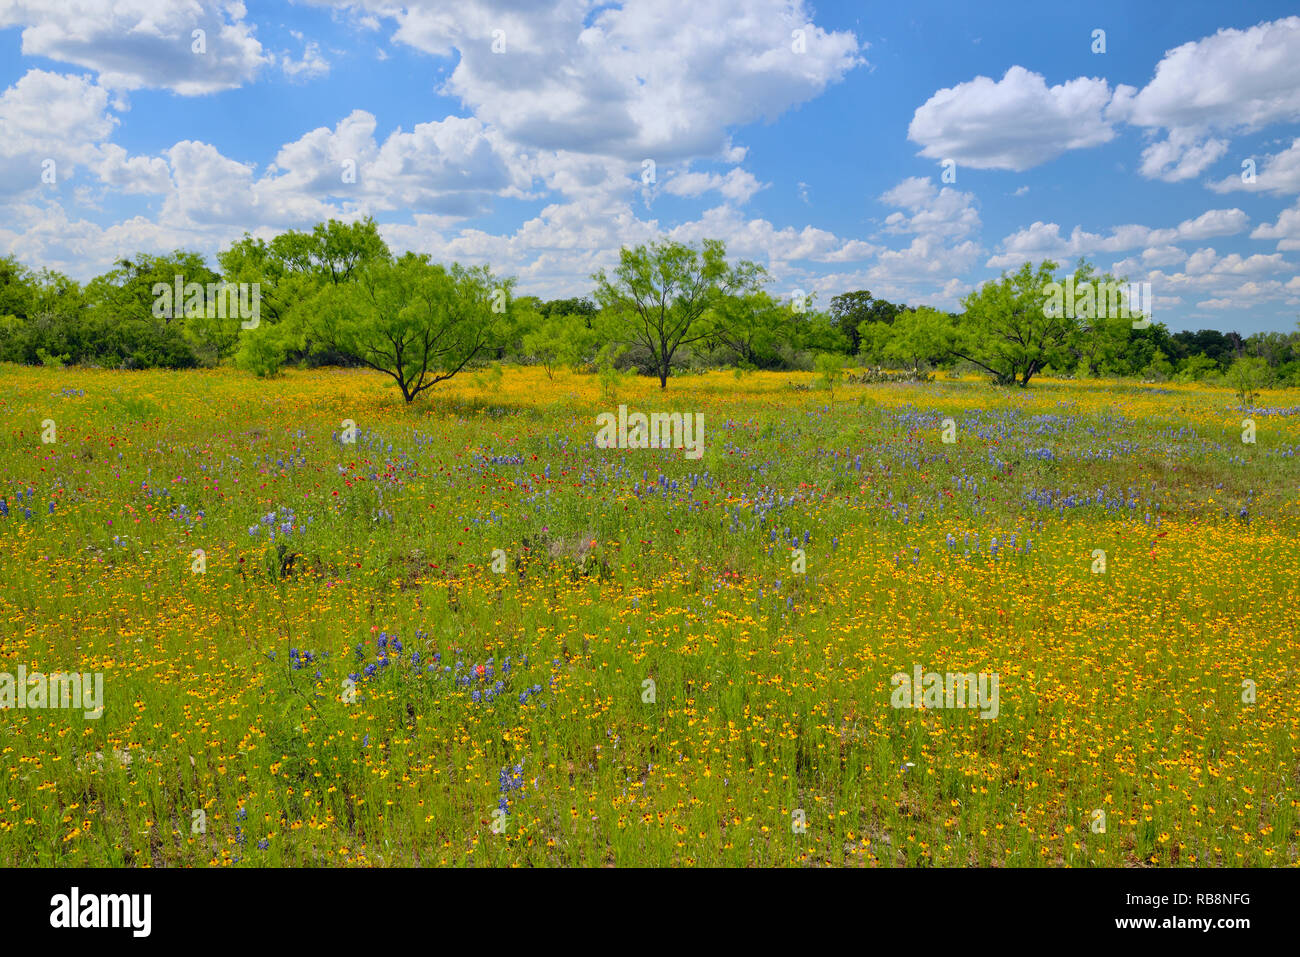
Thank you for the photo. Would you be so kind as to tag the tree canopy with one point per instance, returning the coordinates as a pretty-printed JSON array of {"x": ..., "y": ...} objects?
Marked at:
[{"x": 325, "y": 293}]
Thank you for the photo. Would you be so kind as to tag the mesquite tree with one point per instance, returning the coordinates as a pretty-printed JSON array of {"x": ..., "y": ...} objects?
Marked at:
[
  {"x": 658, "y": 293},
  {"x": 411, "y": 319}
]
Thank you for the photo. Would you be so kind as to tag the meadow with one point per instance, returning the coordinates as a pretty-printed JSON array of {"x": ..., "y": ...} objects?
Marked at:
[{"x": 471, "y": 637}]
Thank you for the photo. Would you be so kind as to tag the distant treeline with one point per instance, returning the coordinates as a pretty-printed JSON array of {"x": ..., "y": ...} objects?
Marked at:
[{"x": 338, "y": 296}]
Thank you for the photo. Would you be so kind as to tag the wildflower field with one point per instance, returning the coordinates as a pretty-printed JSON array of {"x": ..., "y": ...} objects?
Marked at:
[{"x": 470, "y": 636}]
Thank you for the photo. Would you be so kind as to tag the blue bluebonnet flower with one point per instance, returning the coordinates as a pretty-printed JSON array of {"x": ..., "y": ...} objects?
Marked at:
[{"x": 510, "y": 779}]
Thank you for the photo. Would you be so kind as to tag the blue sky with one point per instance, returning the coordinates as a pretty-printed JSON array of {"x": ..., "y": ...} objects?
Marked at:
[{"x": 809, "y": 138}]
